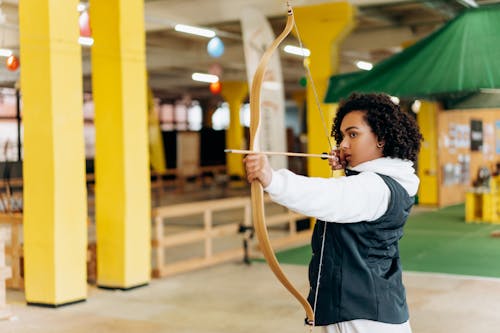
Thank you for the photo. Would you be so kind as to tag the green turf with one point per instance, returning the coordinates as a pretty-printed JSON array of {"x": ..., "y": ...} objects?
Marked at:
[{"x": 438, "y": 241}]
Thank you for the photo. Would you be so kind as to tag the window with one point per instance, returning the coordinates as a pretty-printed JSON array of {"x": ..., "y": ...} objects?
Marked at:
[
  {"x": 221, "y": 116},
  {"x": 8, "y": 125}
]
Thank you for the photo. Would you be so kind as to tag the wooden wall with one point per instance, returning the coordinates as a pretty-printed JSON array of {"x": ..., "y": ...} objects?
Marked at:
[{"x": 458, "y": 163}]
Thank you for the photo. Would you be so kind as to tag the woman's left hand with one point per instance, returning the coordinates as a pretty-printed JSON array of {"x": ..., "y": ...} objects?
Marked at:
[{"x": 258, "y": 169}]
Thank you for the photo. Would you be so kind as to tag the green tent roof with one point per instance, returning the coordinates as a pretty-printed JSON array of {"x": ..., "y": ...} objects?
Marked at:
[{"x": 460, "y": 58}]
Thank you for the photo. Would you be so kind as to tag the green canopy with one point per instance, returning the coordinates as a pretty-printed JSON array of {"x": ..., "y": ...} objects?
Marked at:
[{"x": 460, "y": 58}]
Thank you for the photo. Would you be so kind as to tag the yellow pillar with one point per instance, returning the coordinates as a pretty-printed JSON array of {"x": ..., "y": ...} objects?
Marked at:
[
  {"x": 322, "y": 28},
  {"x": 156, "y": 147},
  {"x": 427, "y": 118},
  {"x": 122, "y": 166},
  {"x": 299, "y": 97},
  {"x": 55, "y": 213},
  {"x": 234, "y": 93}
]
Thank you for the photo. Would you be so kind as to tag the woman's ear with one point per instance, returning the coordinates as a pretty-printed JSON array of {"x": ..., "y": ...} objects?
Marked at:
[{"x": 380, "y": 144}]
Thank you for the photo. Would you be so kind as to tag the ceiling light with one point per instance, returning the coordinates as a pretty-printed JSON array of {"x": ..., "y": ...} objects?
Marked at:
[
  {"x": 300, "y": 51},
  {"x": 394, "y": 99},
  {"x": 5, "y": 53},
  {"x": 469, "y": 3},
  {"x": 416, "y": 105},
  {"x": 194, "y": 30},
  {"x": 86, "y": 41},
  {"x": 489, "y": 91},
  {"x": 81, "y": 7},
  {"x": 364, "y": 65},
  {"x": 201, "y": 77}
]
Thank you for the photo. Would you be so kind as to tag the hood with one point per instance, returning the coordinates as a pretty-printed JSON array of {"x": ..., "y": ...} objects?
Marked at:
[{"x": 400, "y": 170}]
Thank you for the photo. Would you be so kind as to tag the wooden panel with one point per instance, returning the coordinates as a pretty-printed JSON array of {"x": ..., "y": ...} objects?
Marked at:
[
  {"x": 209, "y": 234},
  {"x": 427, "y": 158},
  {"x": 458, "y": 165},
  {"x": 188, "y": 153}
]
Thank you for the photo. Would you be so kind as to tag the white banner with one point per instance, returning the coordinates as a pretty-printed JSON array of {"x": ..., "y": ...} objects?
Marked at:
[{"x": 257, "y": 36}]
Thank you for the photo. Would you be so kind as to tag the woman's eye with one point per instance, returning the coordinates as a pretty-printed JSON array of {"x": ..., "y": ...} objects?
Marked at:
[{"x": 352, "y": 135}]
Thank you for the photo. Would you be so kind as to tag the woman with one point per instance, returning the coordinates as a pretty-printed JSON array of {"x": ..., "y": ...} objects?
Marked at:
[{"x": 355, "y": 272}]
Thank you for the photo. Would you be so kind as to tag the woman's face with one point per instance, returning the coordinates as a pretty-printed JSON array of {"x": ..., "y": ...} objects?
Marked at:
[{"x": 359, "y": 143}]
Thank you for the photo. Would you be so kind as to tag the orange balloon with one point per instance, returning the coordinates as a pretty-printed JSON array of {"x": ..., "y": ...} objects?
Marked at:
[
  {"x": 215, "y": 87},
  {"x": 12, "y": 63}
]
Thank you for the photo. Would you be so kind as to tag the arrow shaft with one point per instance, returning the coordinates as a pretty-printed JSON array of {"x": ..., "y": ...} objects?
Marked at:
[{"x": 242, "y": 151}]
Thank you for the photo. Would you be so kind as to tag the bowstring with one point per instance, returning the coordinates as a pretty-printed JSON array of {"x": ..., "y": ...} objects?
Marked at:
[
  {"x": 313, "y": 86},
  {"x": 323, "y": 121}
]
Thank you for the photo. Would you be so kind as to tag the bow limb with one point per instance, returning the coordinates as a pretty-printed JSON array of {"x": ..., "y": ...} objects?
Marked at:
[{"x": 257, "y": 192}]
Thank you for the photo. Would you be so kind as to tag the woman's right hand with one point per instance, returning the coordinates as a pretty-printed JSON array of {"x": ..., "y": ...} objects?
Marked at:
[{"x": 337, "y": 160}]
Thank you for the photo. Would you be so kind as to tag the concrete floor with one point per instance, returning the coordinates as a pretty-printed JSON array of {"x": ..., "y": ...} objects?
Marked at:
[{"x": 233, "y": 298}]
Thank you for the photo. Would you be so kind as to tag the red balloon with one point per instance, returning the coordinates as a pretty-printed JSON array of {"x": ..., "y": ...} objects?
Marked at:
[
  {"x": 215, "y": 87},
  {"x": 12, "y": 63},
  {"x": 84, "y": 22}
]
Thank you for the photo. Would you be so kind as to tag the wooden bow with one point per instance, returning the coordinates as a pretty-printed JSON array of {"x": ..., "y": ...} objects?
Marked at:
[{"x": 257, "y": 192}]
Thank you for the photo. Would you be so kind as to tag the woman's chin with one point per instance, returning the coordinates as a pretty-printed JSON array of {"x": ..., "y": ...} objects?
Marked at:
[{"x": 352, "y": 164}]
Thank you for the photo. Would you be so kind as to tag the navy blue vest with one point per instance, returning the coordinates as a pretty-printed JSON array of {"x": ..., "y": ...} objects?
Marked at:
[{"x": 361, "y": 270}]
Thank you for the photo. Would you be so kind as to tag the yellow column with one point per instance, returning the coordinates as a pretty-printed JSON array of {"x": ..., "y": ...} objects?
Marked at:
[
  {"x": 427, "y": 118},
  {"x": 122, "y": 166},
  {"x": 299, "y": 97},
  {"x": 322, "y": 28},
  {"x": 156, "y": 147},
  {"x": 55, "y": 213},
  {"x": 234, "y": 93}
]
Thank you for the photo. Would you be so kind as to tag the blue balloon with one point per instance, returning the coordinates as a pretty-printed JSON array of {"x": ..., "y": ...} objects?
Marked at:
[{"x": 215, "y": 47}]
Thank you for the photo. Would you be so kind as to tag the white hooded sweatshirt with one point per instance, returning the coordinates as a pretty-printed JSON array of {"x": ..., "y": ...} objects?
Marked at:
[{"x": 364, "y": 197}]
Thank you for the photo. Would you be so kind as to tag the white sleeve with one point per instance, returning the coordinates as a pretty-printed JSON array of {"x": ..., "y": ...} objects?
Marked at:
[{"x": 363, "y": 197}]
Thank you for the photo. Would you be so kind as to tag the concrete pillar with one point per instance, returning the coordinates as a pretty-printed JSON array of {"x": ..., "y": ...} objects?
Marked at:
[
  {"x": 123, "y": 213},
  {"x": 322, "y": 28},
  {"x": 235, "y": 93},
  {"x": 55, "y": 207}
]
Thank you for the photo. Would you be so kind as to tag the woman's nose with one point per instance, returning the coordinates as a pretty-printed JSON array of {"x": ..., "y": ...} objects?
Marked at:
[{"x": 343, "y": 144}]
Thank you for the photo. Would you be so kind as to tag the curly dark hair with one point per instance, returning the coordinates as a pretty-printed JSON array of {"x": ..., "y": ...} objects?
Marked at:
[{"x": 396, "y": 128}]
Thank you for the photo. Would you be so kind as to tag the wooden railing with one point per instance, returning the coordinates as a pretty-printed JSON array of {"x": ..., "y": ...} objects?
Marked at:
[
  {"x": 210, "y": 232},
  {"x": 5, "y": 272},
  {"x": 14, "y": 249},
  {"x": 225, "y": 223},
  {"x": 10, "y": 200},
  {"x": 159, "y": 181}
]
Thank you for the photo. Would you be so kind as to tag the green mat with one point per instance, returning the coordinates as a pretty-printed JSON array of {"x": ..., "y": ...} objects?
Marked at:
[{"x": 438, "y": 241}]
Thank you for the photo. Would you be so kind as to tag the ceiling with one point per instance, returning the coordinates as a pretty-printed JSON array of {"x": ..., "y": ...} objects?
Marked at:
[{"x": 382, "y": 28}]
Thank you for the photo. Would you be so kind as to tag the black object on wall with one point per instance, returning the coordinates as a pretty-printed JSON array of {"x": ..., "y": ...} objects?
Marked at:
[
  {"x": 212, "y": 145},
  {"x": 170, "y": 148}
]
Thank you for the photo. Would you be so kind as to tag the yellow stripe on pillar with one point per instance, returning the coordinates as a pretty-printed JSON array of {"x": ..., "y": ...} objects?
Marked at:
[
  {"x": 322, "y": 28},
  {"x": 234, "y": 93},
  {"x": 427, "y": 118},
  {"x": 122, "y": 167},
  {"x": 55, "y": 209},
  {"x": 156, "y": 147}
]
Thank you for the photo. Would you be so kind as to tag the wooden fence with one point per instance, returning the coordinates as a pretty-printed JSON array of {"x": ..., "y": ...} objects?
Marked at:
[
  {"x": 14, "y": 249},
  {"x": 230, "y": 231},
  {"x": 5, "y": 272},
  {"x": 211, "y": 233}
]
